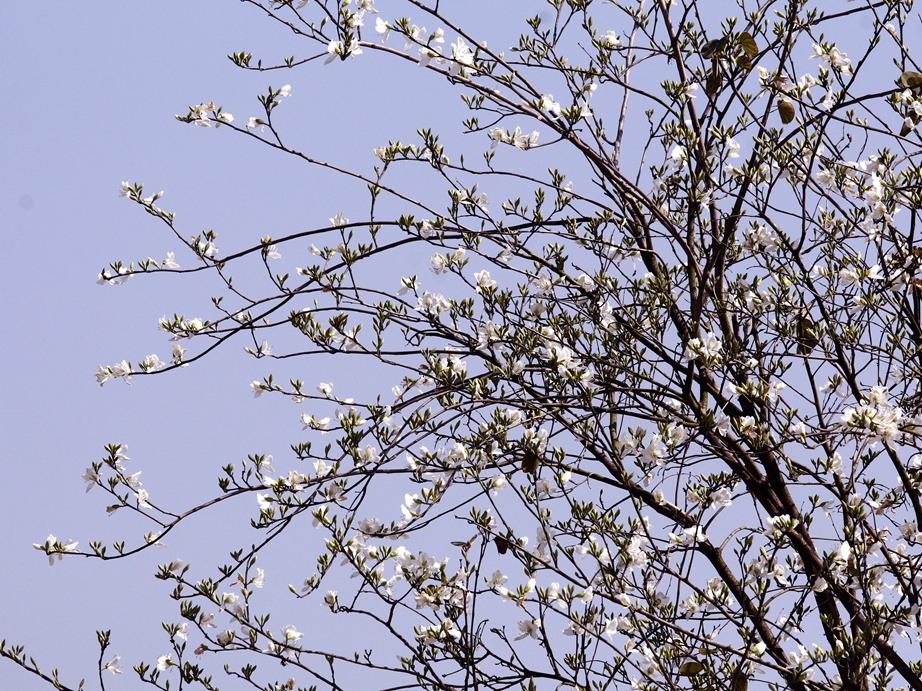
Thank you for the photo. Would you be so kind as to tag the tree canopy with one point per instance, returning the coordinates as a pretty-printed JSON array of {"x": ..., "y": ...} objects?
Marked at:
[{"x": 649, "y": 414}]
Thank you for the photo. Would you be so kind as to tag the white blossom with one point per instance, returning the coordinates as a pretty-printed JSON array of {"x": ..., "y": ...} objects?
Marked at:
[
  {"x": 530, "y": 628},
  {"x": 832, "y": 57},
  {"x": 462, "y": 56},
  {"x": 707, "y": 350}
]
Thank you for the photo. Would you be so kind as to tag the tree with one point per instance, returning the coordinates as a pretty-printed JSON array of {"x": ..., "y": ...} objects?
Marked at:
[{"x": 654, "y": 416}]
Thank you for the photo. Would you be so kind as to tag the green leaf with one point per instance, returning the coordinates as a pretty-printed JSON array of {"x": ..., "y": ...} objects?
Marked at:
[
  {"x": 786, "y": 110},
  {"x": 502, "y": 544},
  {"x": 806, "y": 336},
  {"x": 748, "y": 44},
  {"x": 739, "y": 680},
  {"x": 909, "y": 80},
  {"x": 744, "y": 62},
  {"x": 690, "y": 669},
  {"x": 712, "y": 85}
]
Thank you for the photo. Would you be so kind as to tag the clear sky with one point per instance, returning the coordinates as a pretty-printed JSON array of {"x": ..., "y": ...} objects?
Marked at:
[{"x": 89, "y": 91}]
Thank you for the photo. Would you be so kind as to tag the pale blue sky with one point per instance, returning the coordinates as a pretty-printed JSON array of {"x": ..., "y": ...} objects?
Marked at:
[{"x": 89, "y": 92}]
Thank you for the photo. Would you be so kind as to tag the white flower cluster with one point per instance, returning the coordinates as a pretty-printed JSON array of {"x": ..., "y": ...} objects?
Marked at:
[
  {"x": 204, "y": 114},
  {"x": 759, "y": 238},
  {"x": 430, "y": 46},
  {"x": 708, "y": 351},
  {"x": 445, "y": 632},
  {"x": 444, "y": 457},
  {"x": 877, "y": 417},
  {"x": 55, "y": 548},
  {"x": 180, "y": 327},
  {"x": 563, "y": 358},
  {"x": 832, "y": 57},
  {"x": 432, "y": 304},
  {"x": 656, "y": 451},
  {"x": 518, "y": 139}
]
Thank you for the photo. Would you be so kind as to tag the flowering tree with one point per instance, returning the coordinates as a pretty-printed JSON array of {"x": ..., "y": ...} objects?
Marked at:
[{"x": 652, "y": 414}]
